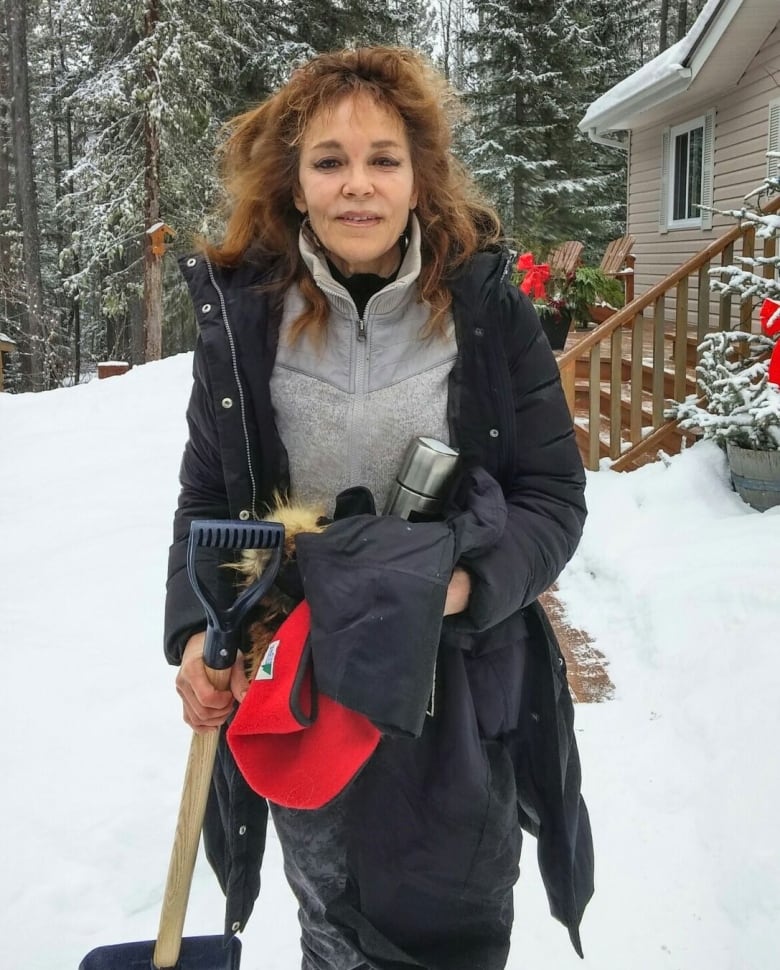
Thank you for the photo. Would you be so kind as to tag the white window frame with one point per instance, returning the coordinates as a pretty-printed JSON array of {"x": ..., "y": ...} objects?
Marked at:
[
  {"x": 674, "y": 133},
  {"x": 773, "y": 139},
  {"x": 704, "y": 221}
]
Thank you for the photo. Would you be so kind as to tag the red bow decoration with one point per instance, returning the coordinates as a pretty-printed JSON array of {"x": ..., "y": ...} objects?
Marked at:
[
  {"x": 770, "y": 324},
  {"x": 536, "y": 275}
]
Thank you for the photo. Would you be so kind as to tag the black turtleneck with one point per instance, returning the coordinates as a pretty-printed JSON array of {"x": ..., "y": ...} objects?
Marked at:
[{"x": 361, "y": 286}]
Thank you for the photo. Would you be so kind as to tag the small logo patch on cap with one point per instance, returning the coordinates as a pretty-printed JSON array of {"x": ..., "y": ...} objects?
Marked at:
[{"x": 266, "y": 669}]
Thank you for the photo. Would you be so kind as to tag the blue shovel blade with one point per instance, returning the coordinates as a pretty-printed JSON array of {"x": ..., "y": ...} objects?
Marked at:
[{"x": 197, "y": 953}]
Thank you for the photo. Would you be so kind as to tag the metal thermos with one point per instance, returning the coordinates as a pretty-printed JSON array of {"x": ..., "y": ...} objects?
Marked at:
[{"x": 422, "y": 479}]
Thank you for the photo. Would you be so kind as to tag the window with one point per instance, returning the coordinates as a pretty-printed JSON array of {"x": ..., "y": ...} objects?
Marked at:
[
  {"x": 773, "y": 145},
  {"x": 687, "y": 148},
  {"x": 687, "y": 175}
]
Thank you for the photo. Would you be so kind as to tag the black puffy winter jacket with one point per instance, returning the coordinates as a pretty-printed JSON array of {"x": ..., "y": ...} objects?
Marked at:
[{"x": 507, "y": 414}]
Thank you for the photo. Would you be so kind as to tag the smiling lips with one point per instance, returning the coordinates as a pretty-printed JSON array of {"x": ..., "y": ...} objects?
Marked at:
[{"x": 359, "y": 218}]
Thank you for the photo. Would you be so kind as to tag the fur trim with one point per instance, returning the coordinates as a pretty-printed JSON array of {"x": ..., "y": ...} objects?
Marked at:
[
  {"x": 276, "y": 606},
  {"x": 295, "y": 518}
]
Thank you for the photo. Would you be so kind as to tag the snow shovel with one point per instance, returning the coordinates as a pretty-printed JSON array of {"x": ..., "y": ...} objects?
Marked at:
[{"x": 223, "y": 630}]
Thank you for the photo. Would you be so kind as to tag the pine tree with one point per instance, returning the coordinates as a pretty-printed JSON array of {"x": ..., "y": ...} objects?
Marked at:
[
  {"x": 34, "y": 323},
  {"x": 152, "y": 84},
  {"x": 151, "y": 87},
  {"x": 413, "y": 24},
  {"x": 8, "y": 286},
  {"x": 537, "y": 66}
]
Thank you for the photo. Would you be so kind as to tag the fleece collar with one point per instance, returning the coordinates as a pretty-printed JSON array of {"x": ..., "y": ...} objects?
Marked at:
[{"x": 389, "y": 299}]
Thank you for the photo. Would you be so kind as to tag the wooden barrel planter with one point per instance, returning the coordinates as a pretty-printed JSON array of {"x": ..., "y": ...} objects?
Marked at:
[{"x": 755, "y": 475}]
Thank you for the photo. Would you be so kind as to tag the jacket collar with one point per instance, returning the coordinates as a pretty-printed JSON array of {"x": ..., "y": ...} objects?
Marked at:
[{"x": 389, "y": 299}]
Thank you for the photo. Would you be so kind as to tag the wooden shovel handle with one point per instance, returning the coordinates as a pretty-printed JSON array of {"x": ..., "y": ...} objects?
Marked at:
[{"x": 192, "y": 809}]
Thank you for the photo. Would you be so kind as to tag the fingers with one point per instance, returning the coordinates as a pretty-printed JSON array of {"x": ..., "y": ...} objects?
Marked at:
[
  {"x": 458, "y": 592},
  {"x": 239, "y": 684},
  {"x": 204, "y": 707}
]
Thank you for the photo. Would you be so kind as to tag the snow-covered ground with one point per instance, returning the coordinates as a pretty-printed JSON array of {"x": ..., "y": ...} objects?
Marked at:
[{"x": 677, "y": 581}]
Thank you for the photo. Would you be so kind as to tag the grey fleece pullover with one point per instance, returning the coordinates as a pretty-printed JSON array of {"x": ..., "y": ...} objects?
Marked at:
[{"x": 347, "y": 410}]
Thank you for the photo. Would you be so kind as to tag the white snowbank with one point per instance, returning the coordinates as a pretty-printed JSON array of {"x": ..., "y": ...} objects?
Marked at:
[{"x": 675, "y": 579}]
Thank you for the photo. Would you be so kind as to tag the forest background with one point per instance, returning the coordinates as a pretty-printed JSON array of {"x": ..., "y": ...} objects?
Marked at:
[{"x": 111, "y": 115}]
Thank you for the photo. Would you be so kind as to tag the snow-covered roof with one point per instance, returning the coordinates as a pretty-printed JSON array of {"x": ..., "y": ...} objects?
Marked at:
[{"x": 708, "y": 60}]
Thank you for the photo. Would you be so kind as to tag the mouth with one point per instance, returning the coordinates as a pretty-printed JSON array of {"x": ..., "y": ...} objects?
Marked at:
[{"x": 360, "y": 219}]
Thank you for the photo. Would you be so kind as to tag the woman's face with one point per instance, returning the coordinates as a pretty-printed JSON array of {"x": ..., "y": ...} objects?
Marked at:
[{"x": 357, "y": 185}]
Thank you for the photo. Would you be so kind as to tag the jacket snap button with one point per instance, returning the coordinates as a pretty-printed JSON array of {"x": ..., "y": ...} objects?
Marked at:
[
  {"x": 479, "y": 332},
  {"x": 227, "y": 402},
  {"x": 243, "y": 515},
  {"x": 242, "y": 830},
  {"x": 206, "y": 307},
  {"x": 236, "y": 927},
  {"x": 191, "y": 261},
  {"x": 494, "y": 432}
]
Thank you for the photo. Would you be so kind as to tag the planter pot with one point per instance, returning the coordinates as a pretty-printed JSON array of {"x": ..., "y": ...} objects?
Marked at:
[
  {"x": 599, "y": 312},
  {"x": 755, "y": 475},
  {"x": 556, "y": 327}
]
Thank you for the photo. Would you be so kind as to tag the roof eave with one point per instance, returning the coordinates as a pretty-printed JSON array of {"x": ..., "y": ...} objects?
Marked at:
[{"x": 621, "y": 116}]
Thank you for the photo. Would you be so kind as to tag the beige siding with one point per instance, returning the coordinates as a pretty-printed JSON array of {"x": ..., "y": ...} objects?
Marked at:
[{"x": 740, "y": 145}]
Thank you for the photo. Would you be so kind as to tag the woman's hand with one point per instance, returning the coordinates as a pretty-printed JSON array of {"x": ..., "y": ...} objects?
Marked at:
[
  {"x": 458, "y": 592},
  {"x": 205, "y": 707}
]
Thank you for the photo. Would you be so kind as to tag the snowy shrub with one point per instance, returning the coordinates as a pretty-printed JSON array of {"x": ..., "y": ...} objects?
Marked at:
[
  {"x": 738, "y": 402},
  {"x": 746, "y": 278}
]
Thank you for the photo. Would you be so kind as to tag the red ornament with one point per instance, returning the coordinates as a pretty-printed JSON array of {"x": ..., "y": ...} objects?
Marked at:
[
  {"x": 770, "y": 324},
  {"x": 536, "y": 275}
]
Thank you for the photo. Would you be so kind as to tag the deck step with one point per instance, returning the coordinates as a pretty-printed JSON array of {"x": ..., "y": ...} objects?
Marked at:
[
  {"x": 691, "y": 349},
  {"x": 582, "y": 375},
  {"x": 673, "y": 443},
  {"x": 670, "y": 440}
]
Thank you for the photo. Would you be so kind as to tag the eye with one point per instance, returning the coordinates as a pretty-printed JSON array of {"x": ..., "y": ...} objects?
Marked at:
[
  {"x": 324, "y": 164},
  {"x": 387, "y": 161}
]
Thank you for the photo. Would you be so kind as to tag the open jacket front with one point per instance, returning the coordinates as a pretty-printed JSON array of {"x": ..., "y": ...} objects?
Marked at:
[{"x": 509, "y": 420}]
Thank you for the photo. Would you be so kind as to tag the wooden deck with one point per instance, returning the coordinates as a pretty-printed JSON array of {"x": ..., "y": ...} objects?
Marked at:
[{"x": 575, "y": 336}]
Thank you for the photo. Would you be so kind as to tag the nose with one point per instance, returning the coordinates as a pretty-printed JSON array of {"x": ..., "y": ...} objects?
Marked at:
[{"x": 358, "y": 182}]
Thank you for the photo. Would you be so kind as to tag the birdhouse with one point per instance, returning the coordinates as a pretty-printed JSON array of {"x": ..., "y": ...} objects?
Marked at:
[{"x": 158, "y": 232}]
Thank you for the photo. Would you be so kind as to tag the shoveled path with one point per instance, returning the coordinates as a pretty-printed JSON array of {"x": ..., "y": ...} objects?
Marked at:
[{"x": 587, "y": 668}]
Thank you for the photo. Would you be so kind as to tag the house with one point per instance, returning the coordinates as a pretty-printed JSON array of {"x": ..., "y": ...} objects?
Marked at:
[{"x": 697, "y": 123}]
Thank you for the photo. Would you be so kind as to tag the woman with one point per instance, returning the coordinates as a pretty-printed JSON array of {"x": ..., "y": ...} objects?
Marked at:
[{"x": 358, "y": 298}]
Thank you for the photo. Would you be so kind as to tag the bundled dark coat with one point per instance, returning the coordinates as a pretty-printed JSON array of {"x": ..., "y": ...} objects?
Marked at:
[{"x": 507, "y": 416}]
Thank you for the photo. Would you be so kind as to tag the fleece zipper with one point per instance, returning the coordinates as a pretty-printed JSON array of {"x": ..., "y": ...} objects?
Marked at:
[{"x": 359, "y": 375}]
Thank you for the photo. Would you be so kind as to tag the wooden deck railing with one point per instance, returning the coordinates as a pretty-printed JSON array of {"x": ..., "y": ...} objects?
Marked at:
[{"x": 619, "y": 377}]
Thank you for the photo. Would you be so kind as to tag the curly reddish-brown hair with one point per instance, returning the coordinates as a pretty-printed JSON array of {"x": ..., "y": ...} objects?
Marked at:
[{"x": 260, "y": 162}]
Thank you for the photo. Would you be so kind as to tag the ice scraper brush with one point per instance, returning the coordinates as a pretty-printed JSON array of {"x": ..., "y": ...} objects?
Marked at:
[{"x": 222, "y": 640}]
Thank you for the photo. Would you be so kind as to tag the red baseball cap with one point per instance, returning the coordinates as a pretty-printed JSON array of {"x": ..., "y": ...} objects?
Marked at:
[{"x": 295, "y": 746}]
